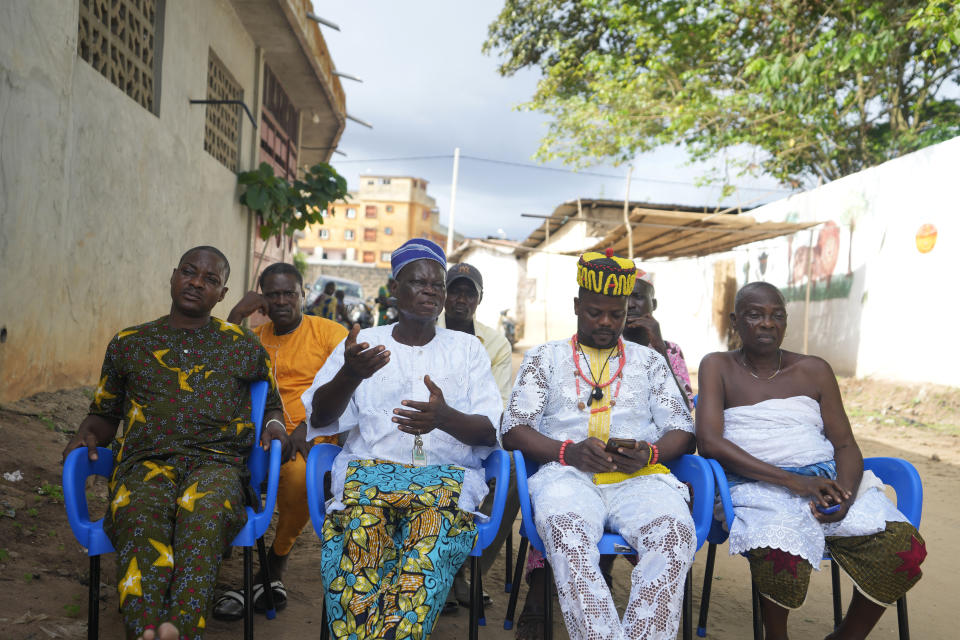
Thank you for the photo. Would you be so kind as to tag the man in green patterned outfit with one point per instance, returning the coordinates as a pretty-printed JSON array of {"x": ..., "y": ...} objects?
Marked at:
[{"x": 180, "y": 384}]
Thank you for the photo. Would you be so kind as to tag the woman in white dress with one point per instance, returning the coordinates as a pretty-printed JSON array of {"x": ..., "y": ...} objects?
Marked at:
[{"x": 775, "y": 421}]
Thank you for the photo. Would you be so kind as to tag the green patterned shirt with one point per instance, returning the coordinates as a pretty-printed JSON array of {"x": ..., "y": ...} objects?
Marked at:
[{"x": 182, "y": 392}]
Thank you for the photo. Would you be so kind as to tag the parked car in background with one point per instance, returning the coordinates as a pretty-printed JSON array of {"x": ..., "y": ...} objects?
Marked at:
[{"x": 359, "y": 311}]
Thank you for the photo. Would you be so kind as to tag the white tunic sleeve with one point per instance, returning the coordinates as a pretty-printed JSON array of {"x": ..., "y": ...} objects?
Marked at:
[
  {"x": 350, "y": 417},
  {"x": 530, "y": 392},
  {"x": 484, "y": 397},
  {"x": 667, "y": 408}
]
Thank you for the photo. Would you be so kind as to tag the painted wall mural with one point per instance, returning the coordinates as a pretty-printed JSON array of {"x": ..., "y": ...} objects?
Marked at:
[
  {"x": 818, "y": 262},
  {"x": 926, "y": 238}
]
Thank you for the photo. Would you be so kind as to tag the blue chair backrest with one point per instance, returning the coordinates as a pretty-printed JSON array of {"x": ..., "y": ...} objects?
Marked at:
[
  {"x": 319, "y": 462},
  {"x": 903, "y": 477},
  {"x": 896, "y": 472},
  {"x": 496, "y": 465},
  {"x": 688, "y": 468}
]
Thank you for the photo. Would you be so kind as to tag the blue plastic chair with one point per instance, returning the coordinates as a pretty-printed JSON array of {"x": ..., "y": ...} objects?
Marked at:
[
  {"x": 496, "y": 466},
  {"x": 78, "y": 467},
  {"x": 687, "y": 468},
  {"x": 895, "y": 472}
]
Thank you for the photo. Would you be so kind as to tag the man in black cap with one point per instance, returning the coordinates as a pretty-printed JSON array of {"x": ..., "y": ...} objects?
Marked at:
[{"x": 464, "y": 292}]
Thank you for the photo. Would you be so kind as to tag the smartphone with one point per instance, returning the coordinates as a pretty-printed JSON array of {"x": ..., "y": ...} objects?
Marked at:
[
  {"x": 614, "y": 443},
  {"x": 828, "y": 510}
]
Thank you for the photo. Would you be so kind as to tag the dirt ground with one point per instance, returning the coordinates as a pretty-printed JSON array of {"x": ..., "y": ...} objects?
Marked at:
[{"x": 43, "y": 570}]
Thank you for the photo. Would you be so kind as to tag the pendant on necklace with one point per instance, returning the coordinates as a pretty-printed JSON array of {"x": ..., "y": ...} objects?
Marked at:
[
  {"x": 419, "y": 457},
  {"x": 597, "y": 393}
]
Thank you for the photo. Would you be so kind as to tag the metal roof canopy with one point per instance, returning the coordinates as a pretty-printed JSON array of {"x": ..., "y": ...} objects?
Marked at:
[
  {"x": 682, "y": 234},
  {"x": 603, "y": 212}
]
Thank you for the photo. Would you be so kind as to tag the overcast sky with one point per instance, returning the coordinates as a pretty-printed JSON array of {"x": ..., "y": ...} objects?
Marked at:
[{"x": 427, "y": 88}]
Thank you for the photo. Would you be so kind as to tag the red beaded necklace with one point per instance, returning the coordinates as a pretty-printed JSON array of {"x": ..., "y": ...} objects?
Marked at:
[{"x": 593, "y": 383}]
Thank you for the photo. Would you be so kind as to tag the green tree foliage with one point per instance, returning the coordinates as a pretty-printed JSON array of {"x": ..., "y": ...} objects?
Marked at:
[
  {"x": 284, "y": 207},
  {"x": 819, "y": 89},
  {"x": 300, "y": 262}
]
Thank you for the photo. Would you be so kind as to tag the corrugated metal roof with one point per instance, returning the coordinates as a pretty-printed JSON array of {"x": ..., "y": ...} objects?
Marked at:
[{"x": 677, "y": 234}]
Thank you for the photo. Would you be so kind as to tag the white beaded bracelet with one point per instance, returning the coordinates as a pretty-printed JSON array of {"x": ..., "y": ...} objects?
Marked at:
[{"x": 282, "y": 426}]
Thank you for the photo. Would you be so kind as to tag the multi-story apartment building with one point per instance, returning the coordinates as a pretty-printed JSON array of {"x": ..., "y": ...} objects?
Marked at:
[{"x": 382, "y": 214}]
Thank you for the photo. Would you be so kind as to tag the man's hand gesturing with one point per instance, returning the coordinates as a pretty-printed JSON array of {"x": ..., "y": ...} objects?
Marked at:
[
  {"x": 359, "y": 360},
  {"x": 422, "y": 417}
]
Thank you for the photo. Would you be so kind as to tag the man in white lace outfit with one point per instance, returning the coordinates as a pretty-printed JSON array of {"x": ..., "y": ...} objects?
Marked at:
[{"x": 571, "y": 399}]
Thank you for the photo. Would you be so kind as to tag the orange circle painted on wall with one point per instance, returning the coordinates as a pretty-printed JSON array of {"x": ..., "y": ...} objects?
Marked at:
[{"x": 926, "y": 238}]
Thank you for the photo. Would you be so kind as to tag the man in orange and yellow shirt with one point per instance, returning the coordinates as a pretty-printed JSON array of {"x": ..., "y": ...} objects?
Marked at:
[{"x": 298, "y": 345}]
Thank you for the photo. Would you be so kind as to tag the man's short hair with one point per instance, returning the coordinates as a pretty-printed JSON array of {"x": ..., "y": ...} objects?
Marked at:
[
  {"x": 214, "y": 251},
  {"x": 642, "y": 286},
  {"x": 280, "y": 268},
  {"x": 755, "y": 287}
]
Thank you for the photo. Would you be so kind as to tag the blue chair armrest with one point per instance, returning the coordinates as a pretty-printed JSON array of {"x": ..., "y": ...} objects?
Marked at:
[
  {"x": 262, "y": 518},
  {"x": 723, "y": 489},
  {"x": 905, "y": 480},
  {"x": 896, "y": 472},
  {"x": 496, "y": 467},
  {"x": 697, "y": 471},
  {"x": 319, "y": 462},
  {"x": 76, "y": 469},
  {"x": 524, "y": 469}
]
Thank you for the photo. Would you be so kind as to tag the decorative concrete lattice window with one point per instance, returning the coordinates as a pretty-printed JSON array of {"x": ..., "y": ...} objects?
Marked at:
[
  {"x": 122, "y": 40},
  {"x": 221, "y": 136},
  {"x": 279, "y": 130}
]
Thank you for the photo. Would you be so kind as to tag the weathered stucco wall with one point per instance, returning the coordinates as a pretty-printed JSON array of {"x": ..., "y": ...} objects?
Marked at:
[
  {"x": 98, "y": 196},
  {"x": 370, "y": 277},
  {"x": 500, "y": 273},
  {"x": 878, "y": 305}
]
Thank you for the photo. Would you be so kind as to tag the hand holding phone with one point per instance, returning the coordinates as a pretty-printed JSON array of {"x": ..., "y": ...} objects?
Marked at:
[
  {"x": 828, "y": 510},
  {"x": 624, "y": 443}
]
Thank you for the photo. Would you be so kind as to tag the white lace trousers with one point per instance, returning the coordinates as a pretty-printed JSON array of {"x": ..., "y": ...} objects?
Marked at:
[{"x": 652, "y": 515}]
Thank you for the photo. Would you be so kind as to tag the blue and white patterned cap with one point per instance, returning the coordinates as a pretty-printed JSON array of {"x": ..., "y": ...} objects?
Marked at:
[{"x": 416, "y": 249}]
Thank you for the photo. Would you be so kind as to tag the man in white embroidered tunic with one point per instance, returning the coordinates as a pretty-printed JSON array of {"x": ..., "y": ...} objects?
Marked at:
[
  {"x": 775, "y": 421},
  {"x": 418, "y": 410},
  {"x": 571, "y": 400}
]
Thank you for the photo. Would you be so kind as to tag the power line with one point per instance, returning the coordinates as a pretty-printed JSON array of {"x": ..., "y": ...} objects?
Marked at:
[
  {"x": 407, "y": 159},
  {"x": 527, "y": 165}
]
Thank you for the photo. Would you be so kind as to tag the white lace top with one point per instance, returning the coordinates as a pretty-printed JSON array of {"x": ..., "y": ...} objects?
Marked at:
[
  {"x": 544, "y": 396},
  {"x": 456, "y": 362}
]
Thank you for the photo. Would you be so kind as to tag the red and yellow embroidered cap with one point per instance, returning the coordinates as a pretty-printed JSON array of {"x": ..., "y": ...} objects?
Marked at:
[{"x": 606, "y": 274}]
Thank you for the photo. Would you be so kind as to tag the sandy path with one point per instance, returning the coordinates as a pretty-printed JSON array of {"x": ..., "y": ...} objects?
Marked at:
[{"x": 43, "y": 569}]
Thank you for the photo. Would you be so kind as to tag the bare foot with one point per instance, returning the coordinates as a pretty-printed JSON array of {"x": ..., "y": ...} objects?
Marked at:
[{"x": 166, "y": 631}]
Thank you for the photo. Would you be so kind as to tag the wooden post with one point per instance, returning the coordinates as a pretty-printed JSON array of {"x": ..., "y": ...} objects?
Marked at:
[
  {"x": 626, "y": 215},
  {"x": 806, "y": 302},
  {"x": 453, "y": 199},
  {"x": 546, "y": 281}
]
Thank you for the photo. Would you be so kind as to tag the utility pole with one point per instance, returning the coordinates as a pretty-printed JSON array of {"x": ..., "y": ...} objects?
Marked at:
[
  {"x": 453, "y": 198},
  {"x": 626, "y": 215},
  {"x": 546, "y": 281}
]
